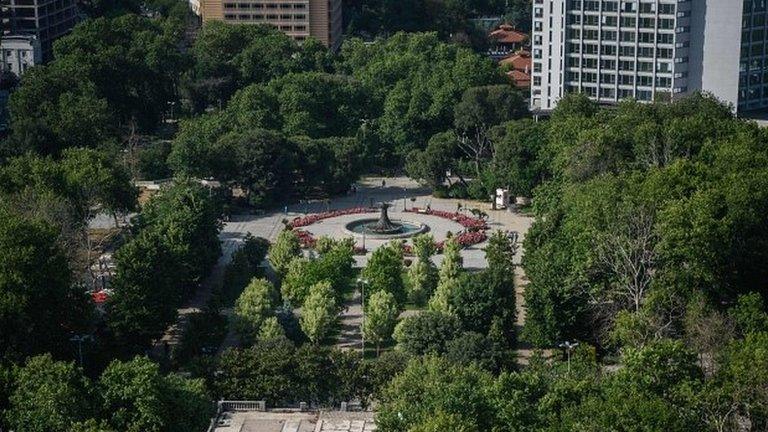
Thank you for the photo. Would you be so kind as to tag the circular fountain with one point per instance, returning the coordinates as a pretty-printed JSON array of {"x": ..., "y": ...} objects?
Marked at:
[{"x": 383, "y": 227}]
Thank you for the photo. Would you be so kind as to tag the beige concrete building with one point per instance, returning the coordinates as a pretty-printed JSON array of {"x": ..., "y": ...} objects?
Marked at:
[
  {"x": 46, "y": 19},
  {"x": 299, "y": 19}
]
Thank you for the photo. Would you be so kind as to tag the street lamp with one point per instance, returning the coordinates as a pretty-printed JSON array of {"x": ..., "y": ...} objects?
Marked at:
[
  {"x": 79, "y": 339},
  {"x": 568, "y": 348},
  {"x": 362, "y": 283}
]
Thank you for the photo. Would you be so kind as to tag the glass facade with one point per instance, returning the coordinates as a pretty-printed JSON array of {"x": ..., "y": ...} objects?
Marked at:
[{"x": 753, "y": 67}]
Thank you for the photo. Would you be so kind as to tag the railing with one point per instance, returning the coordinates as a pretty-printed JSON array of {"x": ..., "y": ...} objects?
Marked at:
[
  {"x": 242, "y": 406},
  {"x": 223, "y": 406}
]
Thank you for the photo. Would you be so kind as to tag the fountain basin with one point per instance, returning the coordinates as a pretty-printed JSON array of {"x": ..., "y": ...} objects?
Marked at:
[{"x": 370, "y": 228}]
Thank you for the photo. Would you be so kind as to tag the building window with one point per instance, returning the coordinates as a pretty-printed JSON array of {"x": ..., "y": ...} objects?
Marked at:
[
  {"x": 663, "y": 82},
  {"x": 644, "y": 95}
]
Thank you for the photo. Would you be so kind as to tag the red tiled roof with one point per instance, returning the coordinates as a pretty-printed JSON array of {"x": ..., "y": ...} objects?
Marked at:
[
  {"x": 521, "y": 79},
  {"x": 520, "y": 60},
  {"x": 507, "y": 34}
]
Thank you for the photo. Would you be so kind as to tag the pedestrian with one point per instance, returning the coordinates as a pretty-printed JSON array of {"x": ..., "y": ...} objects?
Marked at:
[{"x": 383, "y": 183}]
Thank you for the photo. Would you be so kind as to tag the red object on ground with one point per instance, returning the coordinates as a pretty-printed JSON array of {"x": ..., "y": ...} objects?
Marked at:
[{"x": 99, "y": 297}]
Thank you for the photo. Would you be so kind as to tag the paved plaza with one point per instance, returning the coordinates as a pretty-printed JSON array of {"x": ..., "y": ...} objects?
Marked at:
[{"x": 398, "y": 192}]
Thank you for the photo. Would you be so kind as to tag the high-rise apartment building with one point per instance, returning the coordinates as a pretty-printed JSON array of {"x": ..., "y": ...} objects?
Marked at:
[
  {"x": 46, "y": 19},
  {"x": 650, "y": 50},
  {"x": 299, "y": 19}
]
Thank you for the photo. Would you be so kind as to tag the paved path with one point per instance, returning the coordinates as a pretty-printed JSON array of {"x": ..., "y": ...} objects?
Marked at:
[
  {"x": 231, "y": 239},
  {"x": 351, "y": 319}
]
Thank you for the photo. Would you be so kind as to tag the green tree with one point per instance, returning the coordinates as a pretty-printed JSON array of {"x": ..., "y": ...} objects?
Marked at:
[
  {"x": 137, "y": 397},
  {"x": 442, "y": 422},
  {"x": 260, "y": 161},
  {"x": 429, "y": 166},
  {"x": 422, "y": 274},
  {"x": 479, "y": 298},
  {"x": 243, "y": 267},
  {"x": 314, "y": 104},
  {"x": 90, "y": 425},
  {"x": 471, "y": 348},
  {"x": 381, "y": 316},
  {"x": 749, "y": 314},
  {"x": 92, "y": 180},
  {"x": 264, "y": 371},
  {"x": 382, "y": 369},
  {"x": 283, "y": 251},
  {"x": 228, "y": 57},
  {"x": 384, "y": 272},
  {"x": 501, "y": 250},
  {"x": 318, "y": 314},
  {"x": 297, "y": 280},
  {"x": 271, "y": 329},
  {"x": 195, "y": 151},
  {"x": 49, "y": 396},
  {"x": 450, "y": 270},
  {"x": 480, "y": 109},
  {"x": 327, "y": 375},
  {"x": 417, "y": 79},
  {"x": 187, "y": 216},
  {"x": 146, "y": 291},
  {"x": 430, "y": 386},
  {"x": 37, "y": 296},
  {"x": 333, "y": 266},
  {"x": 744, "y": 377},
  {"x": 253, "y": 307},
  {"x": 426, "y": 333},
  {"x": 55, "y": 108},
  {"x": 516, "y": 162},
  {"x": 329, "y": 175}
]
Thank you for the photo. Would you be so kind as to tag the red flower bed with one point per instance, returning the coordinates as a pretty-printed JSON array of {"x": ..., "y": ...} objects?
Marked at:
[
  {"x": 464, "y": 220},
  {"x": 306, "y": 238},
  {"x": 469, "y": 238},
  {"x": 310, "y": 219}
]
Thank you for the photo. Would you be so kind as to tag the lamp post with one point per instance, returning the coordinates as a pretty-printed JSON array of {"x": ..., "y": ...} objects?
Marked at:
[
  {"x": 362, "y": 283},
  {"x": 79, "y": 339},
  {"x": 405, "y": 204},
  {"x": 568, "y": 348}
]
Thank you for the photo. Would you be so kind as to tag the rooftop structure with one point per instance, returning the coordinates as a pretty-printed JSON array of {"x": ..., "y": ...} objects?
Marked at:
[
  {"x": 506, "y": 40},
  {"x": 519, "y": 65},
  {"x": 299, "y": 19}
]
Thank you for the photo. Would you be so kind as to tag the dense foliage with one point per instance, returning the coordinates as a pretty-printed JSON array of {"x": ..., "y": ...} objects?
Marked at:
[
  {"x": 645, "y": 207},
  {"x": 52, "y": 396},
  {"x": 175, "y": 246}
]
